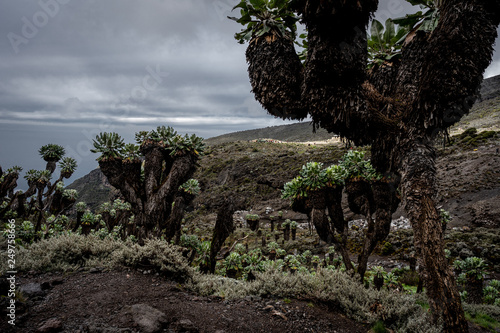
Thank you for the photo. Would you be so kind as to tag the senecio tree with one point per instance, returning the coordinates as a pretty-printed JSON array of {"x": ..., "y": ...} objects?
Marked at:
[
  {"x": 45, "y": 195},
  {"x": 152, "y": 176},
  {"x": 317, "y": 192},
  {"x": 397, "y": 105}
]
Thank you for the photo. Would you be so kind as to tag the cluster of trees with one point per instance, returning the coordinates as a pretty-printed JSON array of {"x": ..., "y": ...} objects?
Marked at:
[
  {"x": 153, "y": 176},
  {"x": 44, "y": 197},
  {"x": 396, "y": 104},
  {"x": 317, "y": 192}
]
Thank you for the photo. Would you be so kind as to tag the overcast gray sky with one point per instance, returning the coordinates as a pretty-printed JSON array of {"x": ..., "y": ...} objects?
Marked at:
[{"x": 70, "y": 69}]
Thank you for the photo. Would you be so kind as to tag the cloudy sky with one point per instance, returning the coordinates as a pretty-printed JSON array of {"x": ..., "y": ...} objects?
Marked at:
[{"x": 70, "y": 69}]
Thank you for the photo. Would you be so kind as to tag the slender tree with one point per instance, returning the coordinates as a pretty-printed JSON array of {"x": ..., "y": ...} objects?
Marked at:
[
  {"x": 149, "y": 176},
  {"x": 398, "y": 106}
]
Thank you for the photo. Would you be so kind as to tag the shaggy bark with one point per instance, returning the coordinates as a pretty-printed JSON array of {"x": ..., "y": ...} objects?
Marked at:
[
  {"x": 397, "y": 107},
  {"x": 151, "y": 200},
  {"x": 224, "y": 227},
  {"x": 419, "y": 190}
]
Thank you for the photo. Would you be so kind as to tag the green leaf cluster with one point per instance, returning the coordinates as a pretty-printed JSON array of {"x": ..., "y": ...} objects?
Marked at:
[
  {"x": 356, "y": 166},
  {"x": 110, "y": 145},
  {"x": 424, "y": 20},
  {"x": 473, "y": 267},
  {"x": 384, "y": 43},
  {"x": 192, "y": 186},
  {"x": 68, "y": 165},
  {"x": 51, "y": 152},
  {"x": 265, "y": 16},
  {"x": 40, "y": 176},
  {"x": 314, "y": 177},
  {"x": 252, "y": 217}
]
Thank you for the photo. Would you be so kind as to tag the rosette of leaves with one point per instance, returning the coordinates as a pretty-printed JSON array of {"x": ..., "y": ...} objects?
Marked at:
[
  {"x": 356, "y": 166},
  {"x": 294, "y": 189},
  {"x": 131, "y": 152},
  {"x": 43, "y": 177},
  {"x": 51, "y": 152},
  {"x": 384, "y": 44},
  {"x": 190, "y": 241},
  {"x": 192, "y": 186},
  {"x": 313, "y": 176},
  {"x": 490, "y": 295},
  {"x": 110, "y": 145},
  {"x": 474, "y": 267},
  {"x": 68, "y": 166},
  {"x": 423, "y": 20},
  {"x": 119, "y": 204},
  {"x": 14, "y": 170},
  {"x": 179, "y": 145},
  {"x": 31, "y": 176},
  {"x": 105, "y": 207},
  {"x": 261, "y": 17},
  {"x": 240, "y": 249},
  {"x": 473, "y": 270},
  {"x": 88, "y": 218},
  {"x": 81, "y": 207},
  {"x": 233, "y": 264},
  {"x": 203, "y": 258},
  {"x": 70, "y": 195},
  {"x": 335, "y": 175},
  {"x": 252, "y": 217},
  {"x": 273, "y": 246}
]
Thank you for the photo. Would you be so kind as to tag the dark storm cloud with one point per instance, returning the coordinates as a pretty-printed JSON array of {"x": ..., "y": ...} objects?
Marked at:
[{"x": 70, "y": 69}]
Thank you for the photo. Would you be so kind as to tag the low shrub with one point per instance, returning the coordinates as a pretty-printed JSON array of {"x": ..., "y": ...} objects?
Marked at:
[
  {"x": 331, "y": 287},
  {"x": 71, "y": 251}
]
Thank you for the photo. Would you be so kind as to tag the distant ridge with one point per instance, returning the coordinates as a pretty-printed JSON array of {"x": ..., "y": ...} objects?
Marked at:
[
  {"x": 484, "y": 114},
  {"x": 298, "y": 132}
]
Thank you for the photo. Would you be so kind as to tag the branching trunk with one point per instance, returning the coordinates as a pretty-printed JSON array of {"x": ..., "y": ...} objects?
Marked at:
[
  {"x": 391, "y": 107},
  {"x": 419, "y": 190}
]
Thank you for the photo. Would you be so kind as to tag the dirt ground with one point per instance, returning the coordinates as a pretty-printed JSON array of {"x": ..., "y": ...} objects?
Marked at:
[
  {"x": 102, "y": 301},
  {"x": 111, "y": 302}
]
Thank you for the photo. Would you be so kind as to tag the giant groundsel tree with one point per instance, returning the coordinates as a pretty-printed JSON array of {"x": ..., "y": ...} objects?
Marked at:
[
  {"x": 397, "y": 106},
  {"x": 152, "y": 176}
]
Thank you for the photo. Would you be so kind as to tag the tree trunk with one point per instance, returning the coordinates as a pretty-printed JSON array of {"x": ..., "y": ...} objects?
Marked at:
[
  {"x": 224, "y": 227},
  {"x": 385, "y": 203},
  {"x": 474, "y": 288},
  {"x": 419, "y": 191}
]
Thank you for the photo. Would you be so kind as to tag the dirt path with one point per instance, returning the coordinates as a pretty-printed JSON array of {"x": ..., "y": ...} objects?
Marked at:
[{"x": 113, "y": 301}]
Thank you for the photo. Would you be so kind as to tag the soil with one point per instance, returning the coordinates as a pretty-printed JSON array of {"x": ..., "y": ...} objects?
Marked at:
[{"x": 101, "y": 302}]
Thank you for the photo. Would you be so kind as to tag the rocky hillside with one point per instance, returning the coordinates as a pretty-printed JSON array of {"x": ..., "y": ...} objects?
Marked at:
[
  {"x": 255, "y": 172},
  {"x": 93, "y": 189}
]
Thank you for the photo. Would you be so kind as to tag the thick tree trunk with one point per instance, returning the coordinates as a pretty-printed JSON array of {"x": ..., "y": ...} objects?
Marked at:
[
  {"x": 474, "y": 288},
  {"x": 224, "y": 227},
  {"x": 419, "y": 190}
]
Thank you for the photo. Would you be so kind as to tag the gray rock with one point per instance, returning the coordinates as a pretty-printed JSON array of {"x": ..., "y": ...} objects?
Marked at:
[
  {"x": 31, "y": 290},
  {"x": 149, "y": 319},
  {"x": 51, "y": 325},
  {"x": 185, "y": 325}
]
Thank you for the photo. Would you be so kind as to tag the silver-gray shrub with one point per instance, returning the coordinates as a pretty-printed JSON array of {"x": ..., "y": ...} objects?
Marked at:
[
  {"x": 71, "y": 251},
  {"x": 334, "y": 288}
]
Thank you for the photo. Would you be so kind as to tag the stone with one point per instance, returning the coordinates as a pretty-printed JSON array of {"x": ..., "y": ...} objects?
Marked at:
[
  {"x": 185, "y": 325},
  {"x": 51, "y": 325},
  {"x": 149, "y": 319},
  {"x": 31, "y": 290}
]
